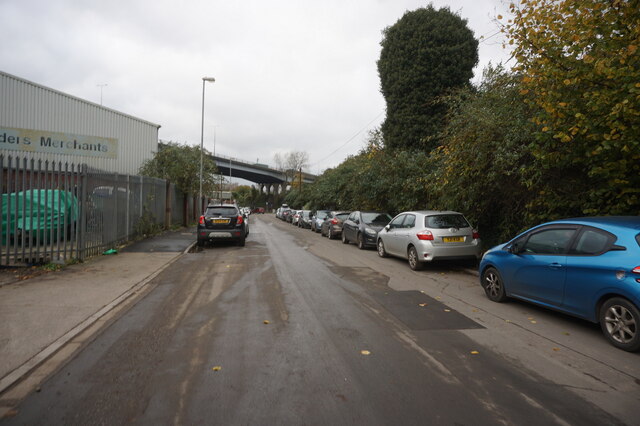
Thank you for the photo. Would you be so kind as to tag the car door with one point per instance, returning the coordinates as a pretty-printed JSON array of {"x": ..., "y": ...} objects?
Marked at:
[
  {"x": 349, "y": 226},
  {"x": 592, "y": 266},
  {"x": 406, "y": 232},
  {"x": 537, "y": 271},
  {"x": 392, "y": 238}
]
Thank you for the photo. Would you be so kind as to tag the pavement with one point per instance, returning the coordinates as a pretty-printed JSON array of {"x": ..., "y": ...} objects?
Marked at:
[{"x": 43, "y": 314}]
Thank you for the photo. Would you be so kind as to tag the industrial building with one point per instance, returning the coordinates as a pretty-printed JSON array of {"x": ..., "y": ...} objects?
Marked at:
[{"x": 42, "y": 123}]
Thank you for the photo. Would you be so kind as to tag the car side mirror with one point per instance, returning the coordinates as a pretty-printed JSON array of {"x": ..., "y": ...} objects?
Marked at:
[
  {"x": 387, "y": 228},
  {"x": 514, "y": 249}
]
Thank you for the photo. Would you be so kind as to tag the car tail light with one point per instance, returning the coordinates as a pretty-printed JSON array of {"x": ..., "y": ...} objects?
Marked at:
[
  {"x": 476, "y": 235},
  {"x": 334, "y": 221},
  {"x": 425, "y": 236},
  {"x": 239, "y": 220},
  {"x": 636, "y": 270},
  {"x": 201, "y": 221}
]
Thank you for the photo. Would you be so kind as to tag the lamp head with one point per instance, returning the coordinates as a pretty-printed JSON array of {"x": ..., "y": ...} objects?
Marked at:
[{"x": 210, "y": 79}]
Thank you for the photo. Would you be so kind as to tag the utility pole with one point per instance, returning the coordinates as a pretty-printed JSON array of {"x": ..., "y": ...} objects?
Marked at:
[{"x": 300, "y": 180}]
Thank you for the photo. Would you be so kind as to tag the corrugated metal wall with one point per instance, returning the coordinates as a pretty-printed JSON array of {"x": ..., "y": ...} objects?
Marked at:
[{"x": 27, "y": 105}]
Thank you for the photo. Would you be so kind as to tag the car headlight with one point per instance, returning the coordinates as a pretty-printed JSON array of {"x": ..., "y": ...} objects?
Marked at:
[{"x": 370, "y": 231}]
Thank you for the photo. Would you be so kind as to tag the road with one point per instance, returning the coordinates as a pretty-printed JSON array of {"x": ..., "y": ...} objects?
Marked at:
[{"x": 297, "y": 329}]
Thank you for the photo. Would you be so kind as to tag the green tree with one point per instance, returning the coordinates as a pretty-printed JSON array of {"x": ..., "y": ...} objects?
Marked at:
[
  {"x": 249, "y": 196},
  {"x": 580, "y": 64},
  {"x": 424, "y": 54},
  {"x": 180, "y": 164},
  {"x": 481, "y": 169},
  {"x": 243, "y": 195},
  {"x": 377, "y": 178}
]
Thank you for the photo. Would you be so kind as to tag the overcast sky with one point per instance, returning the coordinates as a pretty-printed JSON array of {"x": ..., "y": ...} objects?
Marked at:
[{"x": 290, "y": 75}]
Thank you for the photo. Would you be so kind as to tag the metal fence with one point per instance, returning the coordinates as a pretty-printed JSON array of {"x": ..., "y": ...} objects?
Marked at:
[{"x": 54, "y": 212}]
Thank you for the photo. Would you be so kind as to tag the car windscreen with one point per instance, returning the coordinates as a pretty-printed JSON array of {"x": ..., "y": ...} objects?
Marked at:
[
  {"x": 444, "y": 221},
  {"x": 376, "y": 219},
  {"x": 221, "y": 211},
  {"x": 342, "y": 216},
  {"x": 321, "y": 214}
]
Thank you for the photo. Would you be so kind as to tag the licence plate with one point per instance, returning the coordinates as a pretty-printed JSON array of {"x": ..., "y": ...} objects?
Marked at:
[
  {"x": 220, "y": 220},
  {"x": 219, "y": 235},
  {"x": 453, "y": 239}
]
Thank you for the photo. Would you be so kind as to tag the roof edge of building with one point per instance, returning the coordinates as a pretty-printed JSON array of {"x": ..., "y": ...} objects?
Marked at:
[{"x": 24, "y": 80}]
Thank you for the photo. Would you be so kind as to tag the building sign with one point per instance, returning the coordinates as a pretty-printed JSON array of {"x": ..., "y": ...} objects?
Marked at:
[{"x": 57, "y": 143}]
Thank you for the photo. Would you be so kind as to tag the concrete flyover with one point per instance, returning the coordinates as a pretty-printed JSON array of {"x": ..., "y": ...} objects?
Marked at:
[{"x": 263, "y": 175}]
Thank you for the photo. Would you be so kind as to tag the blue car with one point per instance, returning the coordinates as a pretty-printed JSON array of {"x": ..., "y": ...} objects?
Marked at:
[{"x": 586, "y": 267}]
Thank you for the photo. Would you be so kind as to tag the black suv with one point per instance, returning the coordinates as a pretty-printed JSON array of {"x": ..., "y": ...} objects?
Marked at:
[{"x": 222, "y": 223}]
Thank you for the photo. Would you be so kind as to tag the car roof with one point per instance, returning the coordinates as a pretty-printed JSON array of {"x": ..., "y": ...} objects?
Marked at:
[
  {"x": 222, "y": 205},
  {"x": 431, "y": 212},
  {"x": 612, "y": 222}
]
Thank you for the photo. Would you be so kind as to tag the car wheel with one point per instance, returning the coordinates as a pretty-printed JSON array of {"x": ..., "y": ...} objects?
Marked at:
[
  {"x": 381, "y": 251},
  {"x": 344, "y": 238},
  {"x": 493, "y": 285},
  {"x": 412, "y": 256},
  {"x": 619, "y": 320},
  {"x": 360, "y": 239},
  {"x": 242, "y": 242},
  {"x": 200, "y": 243}
]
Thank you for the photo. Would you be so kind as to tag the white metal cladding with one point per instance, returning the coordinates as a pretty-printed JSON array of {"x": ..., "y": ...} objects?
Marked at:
[{"x": 27, "y": 105}]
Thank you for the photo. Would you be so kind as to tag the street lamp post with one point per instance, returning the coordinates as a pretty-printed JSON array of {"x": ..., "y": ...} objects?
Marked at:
[{"x": 204, "y": 80}]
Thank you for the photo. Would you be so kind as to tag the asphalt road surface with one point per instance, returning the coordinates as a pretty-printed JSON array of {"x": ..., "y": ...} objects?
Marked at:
[{"x": 295, "y": 329}]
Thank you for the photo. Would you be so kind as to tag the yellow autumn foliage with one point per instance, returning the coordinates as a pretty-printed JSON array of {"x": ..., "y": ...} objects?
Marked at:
[{"x": 579, "y": 64}]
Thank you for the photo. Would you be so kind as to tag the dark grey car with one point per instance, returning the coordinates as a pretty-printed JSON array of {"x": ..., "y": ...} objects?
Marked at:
[
  {"x": 332, "y": 225},
  {"x": 222, "y": 222},
  {"x": 362, "y": 228}
]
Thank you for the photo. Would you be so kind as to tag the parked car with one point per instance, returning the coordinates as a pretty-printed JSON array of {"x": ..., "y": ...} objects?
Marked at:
[
  {"x": 295, "y": 217},
  {"x": 585, "y": 267},
  {"x": 318, "y": 217},
  {"x": 223, "y": 222},
  {"x": 305, "y": 219},
  {"x": 286, "y": 214},
  {"x": 362, "y": 228},
  {"x": 332, "y": 225},
  {"x": 283, "y": 208},
  {"x": 425, "y": 236}
]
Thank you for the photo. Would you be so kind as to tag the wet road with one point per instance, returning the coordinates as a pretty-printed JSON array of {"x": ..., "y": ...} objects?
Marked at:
[{"x": 297, "y": 329}]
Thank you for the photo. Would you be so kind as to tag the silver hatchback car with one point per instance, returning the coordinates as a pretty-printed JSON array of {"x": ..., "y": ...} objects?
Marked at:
[{"x": 425, "y": 236}]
